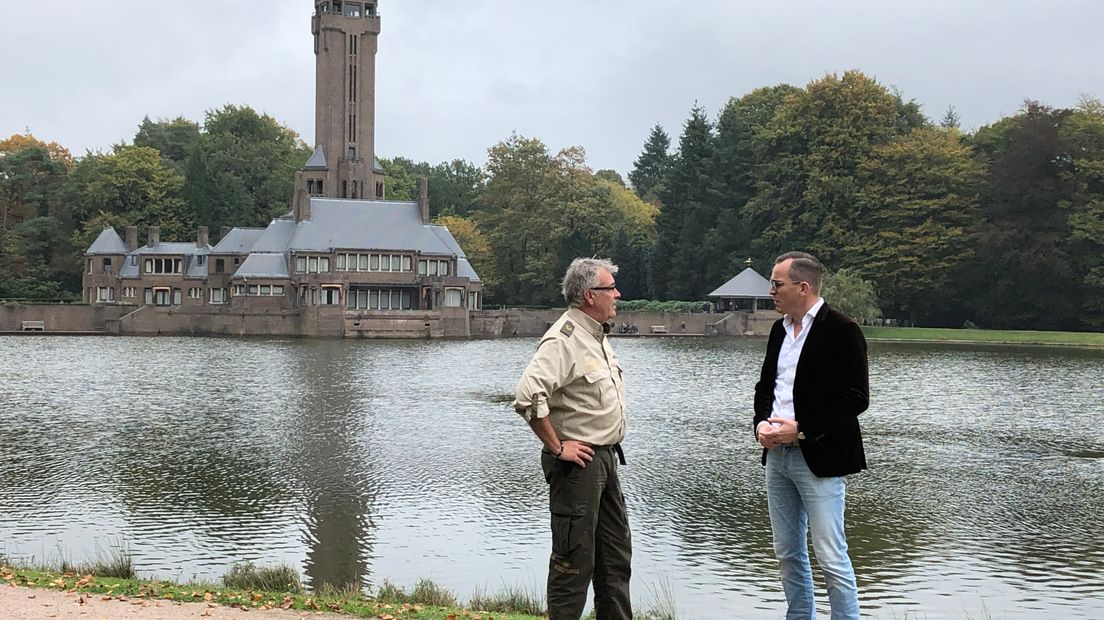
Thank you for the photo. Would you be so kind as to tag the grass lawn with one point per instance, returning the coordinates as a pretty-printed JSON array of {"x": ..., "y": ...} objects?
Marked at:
[{"x": 932, "y": 334}]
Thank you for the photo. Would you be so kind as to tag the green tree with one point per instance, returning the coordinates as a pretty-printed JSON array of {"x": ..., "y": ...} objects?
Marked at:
[
  {"x": 811, "y": 150},
  {"x": 920, "y": 197},
  {"x": 402, "y": 178},
  {"x": 610, "y": 175},
  {"x": 174, "y": 139},
  {"x": 476, "y": 247},
  {"x": 735, "y": 172},
  {"x": 36, "y": 260},
  {"x": 688, "y": 211},
  {"x": 651, "y": 167},
  {"x": 1083, "y": 136},
  {"x": 849, "y": 293},
  {"x": 1022, "y": 277},
  {"x": 131, "y": 186},
  {"x": 242, "y": 169},
  {"x": 455, "y": 187}
]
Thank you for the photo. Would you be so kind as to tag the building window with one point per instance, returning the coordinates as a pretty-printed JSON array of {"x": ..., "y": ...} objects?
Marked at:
[
  {"x": 379, "y": 299},
  {"x": 453, "y": 297},
  {"x": 220, "y": 296},
  {"x": 107, "y": 265},
  {"x": 134, "y": 260},
  {"x": 331, "y": 294},
  {"x": 473, "y": 300},
  {"x": 195, "y": 293},
  {"x": 177, "y": 297},
  {"x": 128, "y": 292},
  {"x": 90, "y": 265},
  {"x": 164, "y": 265},
  {"x": 277, "y": 291},
  {"x": 301, "y": 264},
  {"x": 105, "y": 294},
  {"x": 254, "y": 290},
  {"x": 239, "y": 290},
  {"x": 220, "y": 265},
  {"x": 340, "y": 262},
  {"x": 149, "y": 296}
]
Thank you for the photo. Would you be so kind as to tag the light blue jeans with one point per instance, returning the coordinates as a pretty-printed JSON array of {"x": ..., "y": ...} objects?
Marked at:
[{"x": 799, "y": 502}]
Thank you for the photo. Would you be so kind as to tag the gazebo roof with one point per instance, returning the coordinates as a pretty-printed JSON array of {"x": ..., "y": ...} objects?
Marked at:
[{"x": 748, "y": 284}]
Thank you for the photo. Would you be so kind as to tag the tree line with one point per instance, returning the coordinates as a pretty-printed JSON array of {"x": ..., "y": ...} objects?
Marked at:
[{"x": 1001, "y": 227}]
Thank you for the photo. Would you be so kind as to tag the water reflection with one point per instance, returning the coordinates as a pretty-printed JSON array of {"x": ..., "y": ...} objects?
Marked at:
[{"x": 359, "y": 461}]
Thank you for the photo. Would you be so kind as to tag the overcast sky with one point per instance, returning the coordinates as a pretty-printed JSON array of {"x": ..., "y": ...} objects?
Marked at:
[{"x": 454, "y": 78}]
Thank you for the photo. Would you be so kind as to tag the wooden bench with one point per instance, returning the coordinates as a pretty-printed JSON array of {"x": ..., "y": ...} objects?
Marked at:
[
  {"x": 659, "y": 329},
  {"x": 33, "y": 326}
]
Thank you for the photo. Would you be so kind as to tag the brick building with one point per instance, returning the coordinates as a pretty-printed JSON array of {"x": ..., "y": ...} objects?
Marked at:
[{"x": 344, "y": 258}]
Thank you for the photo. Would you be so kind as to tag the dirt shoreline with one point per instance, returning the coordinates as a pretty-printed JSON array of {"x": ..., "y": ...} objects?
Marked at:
[{"x": 19, "y": 603}]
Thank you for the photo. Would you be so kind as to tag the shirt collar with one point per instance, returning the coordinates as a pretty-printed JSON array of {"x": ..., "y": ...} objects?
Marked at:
[
  {"x": 808, "y": 318},
  {"x": 585, "y": 321}
]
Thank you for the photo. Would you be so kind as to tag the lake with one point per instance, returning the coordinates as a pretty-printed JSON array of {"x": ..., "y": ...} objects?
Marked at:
[{"x": 373, "y": 460}]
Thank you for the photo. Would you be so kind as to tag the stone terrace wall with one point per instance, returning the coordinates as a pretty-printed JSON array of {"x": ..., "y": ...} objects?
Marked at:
[
  {"x": 530, "y": 322},
  {"x": 60, "y": 317}
]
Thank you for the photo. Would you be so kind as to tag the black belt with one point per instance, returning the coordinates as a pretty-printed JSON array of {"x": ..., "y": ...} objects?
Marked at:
[{"x": 616, "y": 447}]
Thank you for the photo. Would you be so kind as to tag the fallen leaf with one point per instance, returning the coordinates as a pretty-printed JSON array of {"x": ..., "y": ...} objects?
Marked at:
[
  {"x": 257, "y": 597},
  {"x": 106, "y": 597},
  {"x": 207, "y": 596},
  {"x": 31, "y": 595},
  {"x": 287, "y": 603},
  {"x": 206, "y": 613}
]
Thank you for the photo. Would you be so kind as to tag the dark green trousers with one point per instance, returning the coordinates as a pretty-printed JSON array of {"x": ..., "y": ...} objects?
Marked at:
[{"x": 590, "y": 538}]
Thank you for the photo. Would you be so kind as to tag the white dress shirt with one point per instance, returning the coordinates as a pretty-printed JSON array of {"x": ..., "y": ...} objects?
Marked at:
[{"x": 788, "y": 356}]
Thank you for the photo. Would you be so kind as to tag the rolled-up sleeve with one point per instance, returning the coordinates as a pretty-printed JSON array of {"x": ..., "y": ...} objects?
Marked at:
[{"x": 548, "y": 371}]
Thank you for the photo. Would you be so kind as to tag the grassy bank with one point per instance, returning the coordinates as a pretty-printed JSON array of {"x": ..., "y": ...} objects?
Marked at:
[
  {"x": 394, "y": 602},
  {"x": 247, "y": 586},
  {"x": 994, "y": 336}
]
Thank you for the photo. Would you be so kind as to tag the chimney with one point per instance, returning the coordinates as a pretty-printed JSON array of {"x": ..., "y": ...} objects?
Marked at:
[
  {"x": 223, "y": 231},
  {"x": 152, "y": 237},
  {"x": 423, "y": 198},
  {"x": 201, "y": 237},
  {"x": 131, "y": 238}
]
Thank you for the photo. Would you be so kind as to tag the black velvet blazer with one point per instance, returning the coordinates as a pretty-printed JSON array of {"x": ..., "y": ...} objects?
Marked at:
[{"x": 831, "y": 388}]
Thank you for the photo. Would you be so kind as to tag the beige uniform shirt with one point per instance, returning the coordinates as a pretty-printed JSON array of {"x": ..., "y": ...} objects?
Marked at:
[{"x": 575, "y": 379}]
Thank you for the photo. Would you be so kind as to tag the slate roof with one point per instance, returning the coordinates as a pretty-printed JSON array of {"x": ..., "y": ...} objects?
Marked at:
[
  {"x": 238, "y": 241},
  {"x": 358, "y": 225},
  {"x": 747, "y": 284},
  {"x": 174, "y": 247},
  {"x": 260, "y": 265},
  {"x": 109, "y": 242},
  {"x": 317, "y": 160}
]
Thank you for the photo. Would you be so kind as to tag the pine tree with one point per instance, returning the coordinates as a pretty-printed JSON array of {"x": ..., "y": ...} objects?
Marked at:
[{"x": 651, "y": 167}]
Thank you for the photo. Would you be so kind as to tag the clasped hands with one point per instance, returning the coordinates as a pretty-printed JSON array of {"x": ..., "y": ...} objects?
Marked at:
[{"x": 779, "y": 431}]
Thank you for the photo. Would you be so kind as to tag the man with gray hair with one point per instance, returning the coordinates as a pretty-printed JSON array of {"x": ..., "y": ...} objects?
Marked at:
[{"x": 573, "y": 397}]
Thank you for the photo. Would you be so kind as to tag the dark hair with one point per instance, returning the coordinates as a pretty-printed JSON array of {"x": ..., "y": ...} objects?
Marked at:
[{"x": 804, "y": 268}]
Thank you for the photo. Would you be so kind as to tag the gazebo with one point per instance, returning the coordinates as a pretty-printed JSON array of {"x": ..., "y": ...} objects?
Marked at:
[{"x": 747, "y": 285}]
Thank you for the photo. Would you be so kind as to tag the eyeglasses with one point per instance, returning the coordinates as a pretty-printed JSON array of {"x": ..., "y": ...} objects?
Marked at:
[
  {"x": 777, "y": 284},
  {"x": 604, "y": 288}
]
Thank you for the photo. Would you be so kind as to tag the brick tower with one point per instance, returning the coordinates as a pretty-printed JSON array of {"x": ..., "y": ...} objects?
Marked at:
[{"x": 346, "y": 36}]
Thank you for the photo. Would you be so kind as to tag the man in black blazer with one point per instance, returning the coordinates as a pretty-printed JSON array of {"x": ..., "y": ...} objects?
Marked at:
[{"x": 813, "y": 385}]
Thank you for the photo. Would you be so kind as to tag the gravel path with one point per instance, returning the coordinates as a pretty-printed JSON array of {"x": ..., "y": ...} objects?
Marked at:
[{"x": 38, "y": 603}]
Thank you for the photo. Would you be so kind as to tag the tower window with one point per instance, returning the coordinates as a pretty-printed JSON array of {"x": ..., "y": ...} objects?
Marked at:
[{"x": 353, "y": 9}]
